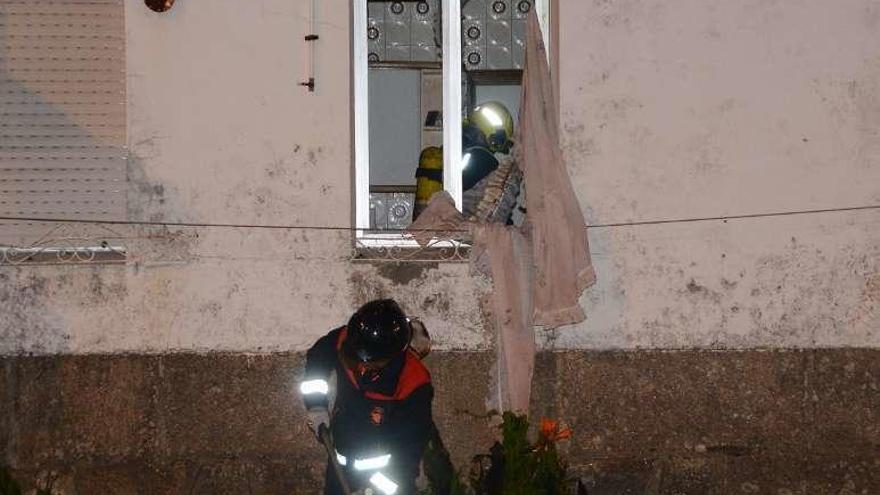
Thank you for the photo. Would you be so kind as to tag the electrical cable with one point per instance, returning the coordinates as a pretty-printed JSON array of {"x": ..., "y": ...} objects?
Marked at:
[
  {"x": 724, "y": 218},
  {"x": 211, "y": 225}
]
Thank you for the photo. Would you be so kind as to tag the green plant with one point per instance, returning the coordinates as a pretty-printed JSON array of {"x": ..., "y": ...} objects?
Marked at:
[
  {"x": 531, "y": 468},
  {"x": 515, "y": 465}
]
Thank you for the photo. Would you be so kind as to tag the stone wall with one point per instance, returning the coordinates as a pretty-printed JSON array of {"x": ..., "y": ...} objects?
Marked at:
[{"x": 798, "y": 422}]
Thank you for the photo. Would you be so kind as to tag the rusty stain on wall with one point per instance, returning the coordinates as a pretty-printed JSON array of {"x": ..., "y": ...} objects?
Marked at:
[
  {"x": 404, "y": 273},
  {"x": 365, "y": 287},
  {"x": 145, "y": 198}
]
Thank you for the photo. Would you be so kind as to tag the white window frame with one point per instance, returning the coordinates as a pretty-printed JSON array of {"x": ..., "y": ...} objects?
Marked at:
[
  {"x": 451, "y": 120},
  {"x": 452, "y": 104},
  {"x": 543, "y": 9}
]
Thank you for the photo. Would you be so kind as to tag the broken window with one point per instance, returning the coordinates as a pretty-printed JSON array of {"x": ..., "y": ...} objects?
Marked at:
[
  {"x": 62, "y": 115},
  {"x": 422, "y": 122}
]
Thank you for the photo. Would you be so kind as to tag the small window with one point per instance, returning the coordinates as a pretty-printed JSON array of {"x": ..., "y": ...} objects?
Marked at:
[{"x": 411, "y": 101}]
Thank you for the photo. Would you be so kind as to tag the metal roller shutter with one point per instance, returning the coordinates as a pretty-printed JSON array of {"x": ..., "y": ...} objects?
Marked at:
[{"x": 62, "y": 114}]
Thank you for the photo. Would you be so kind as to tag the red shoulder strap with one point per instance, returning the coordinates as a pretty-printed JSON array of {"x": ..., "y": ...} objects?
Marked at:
[{"x": 413, "y": 376}]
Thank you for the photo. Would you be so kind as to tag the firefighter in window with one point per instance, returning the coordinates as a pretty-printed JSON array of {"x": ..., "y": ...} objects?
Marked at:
[
  {"x": 380, "y": 420},
  {"x": 488, "y": 130}
]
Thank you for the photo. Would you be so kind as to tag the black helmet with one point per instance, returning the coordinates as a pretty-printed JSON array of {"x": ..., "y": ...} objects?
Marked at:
[{"x": 378, "y": 330}]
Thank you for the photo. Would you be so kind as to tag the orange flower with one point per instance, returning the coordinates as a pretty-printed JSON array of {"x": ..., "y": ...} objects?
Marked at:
[
  {"x": 551, "y": 432},
  {"x": 548, "y": 427},
  {"x": 563, "y": 434}
]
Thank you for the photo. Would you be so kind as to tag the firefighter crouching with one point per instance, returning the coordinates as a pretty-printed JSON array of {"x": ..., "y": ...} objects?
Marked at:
[{"x": 381, "y": 416}]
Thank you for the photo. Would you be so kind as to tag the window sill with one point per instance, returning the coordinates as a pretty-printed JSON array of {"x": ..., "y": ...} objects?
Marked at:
[
  {"x": 399, "y": 247},
  {"x": 13, "y": 256}
]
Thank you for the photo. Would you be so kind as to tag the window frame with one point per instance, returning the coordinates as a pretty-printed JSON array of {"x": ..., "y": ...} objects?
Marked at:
[
  {"x": 452, "y": 102},
  {"x": 452, "y": 119}
]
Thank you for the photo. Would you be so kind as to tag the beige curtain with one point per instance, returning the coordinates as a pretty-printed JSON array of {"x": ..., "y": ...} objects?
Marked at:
[
  {"x": 538, "y": 271},
  {"x": 559, "y": 235}
]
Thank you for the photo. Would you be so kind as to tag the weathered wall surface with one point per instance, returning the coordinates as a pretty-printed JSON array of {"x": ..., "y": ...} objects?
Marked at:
[
  {"x": 645, "y": 422},
  {"x": 670, "y": 110},
  {"x": 220, "y": 132},
  {"x": 703, "y": 109}
]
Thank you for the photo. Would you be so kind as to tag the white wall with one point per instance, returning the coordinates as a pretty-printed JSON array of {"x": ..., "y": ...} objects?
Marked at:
[
  {"x": 670, "y": 110},
  {"x": 217, "y": 117},
  {"x": 220, "y": 132},
  {"x": 700, "y": 109}
]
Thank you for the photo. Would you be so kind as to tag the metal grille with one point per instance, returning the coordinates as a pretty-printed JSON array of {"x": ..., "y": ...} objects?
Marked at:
[
  {"x": 493, "y": 33},
  {"x": 62, "y": 114},
  {"x": 403, "y": 31}
]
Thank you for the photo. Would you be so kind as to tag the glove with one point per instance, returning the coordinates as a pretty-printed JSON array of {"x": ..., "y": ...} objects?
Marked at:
[{"x": 318, "y": 417}]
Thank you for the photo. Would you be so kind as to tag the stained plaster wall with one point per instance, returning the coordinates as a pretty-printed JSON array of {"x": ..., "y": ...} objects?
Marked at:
[
  {"x": 669, "y": 110},
  {"x": 702, "y": 109},
  {"x": 220, "y": 132}
]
